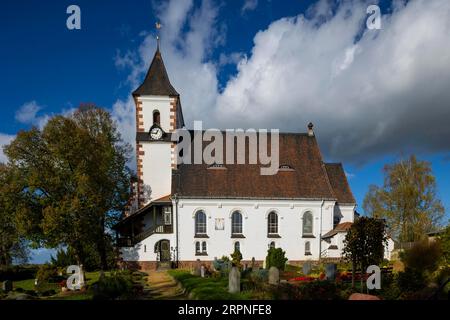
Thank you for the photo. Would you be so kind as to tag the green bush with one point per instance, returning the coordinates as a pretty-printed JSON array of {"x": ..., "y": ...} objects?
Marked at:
[
  {"x": 236, "y": 257},
  {"x": 64, "y": 258},
  {"x": 314, "y": 290},
  {"x": 276, "y": 257},
  {"x": 260, "y": 275},
  {"x": 424, "y": 256},
  {"x": 47, "y": 277},
  {"x": 46, "y": 273},
  {"x": 17, "y": 273},
  {"x": 118, "y": 285},
  {"x": 411, "y": 280}
]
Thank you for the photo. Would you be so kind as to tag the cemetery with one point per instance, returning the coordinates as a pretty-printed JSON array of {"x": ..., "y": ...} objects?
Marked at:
[{"x": 228, "y": 278}]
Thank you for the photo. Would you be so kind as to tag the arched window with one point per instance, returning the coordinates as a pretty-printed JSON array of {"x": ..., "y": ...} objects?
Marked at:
[
  {"x": 236, "y": 223},
  {"x": 307, "y": 223},
  {"x": 272, "y": 245},
  {"x": 307, "y": 248},
  {"x": 237, "y": 246},
  {"x": 272, "y": 223},
  {"x": 200, "y": 222},
  {"x": 197, "y": 247},
  {"x": 156, "y": 117},
  {"x": 204, "y": 247}
]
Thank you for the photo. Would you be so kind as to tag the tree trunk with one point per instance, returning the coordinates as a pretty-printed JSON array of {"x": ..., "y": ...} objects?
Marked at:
[
  {"x": 353, "y": 273},
  {"x": 361, "y": 278},
  {"x": 101, "y": 246}
]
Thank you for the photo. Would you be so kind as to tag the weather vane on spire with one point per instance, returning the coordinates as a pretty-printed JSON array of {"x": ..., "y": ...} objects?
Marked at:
[{"x": 158, "y": 27}]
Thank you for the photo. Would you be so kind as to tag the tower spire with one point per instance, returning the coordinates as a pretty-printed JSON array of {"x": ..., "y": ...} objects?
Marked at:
[{"x": 158, "y": 27}]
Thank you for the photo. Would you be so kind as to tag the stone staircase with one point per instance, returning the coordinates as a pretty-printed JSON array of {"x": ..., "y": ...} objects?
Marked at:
[{"x": 161, "y": 266}]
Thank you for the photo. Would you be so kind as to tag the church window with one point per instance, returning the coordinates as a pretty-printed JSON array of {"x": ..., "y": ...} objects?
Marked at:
[
  {"x": 204, "y": 247},
  {"x": 197, "y": 247},
  {"x": 272, "y": 223},
  {"x": 307, "y": 223},
  {"x": 307, "y": 248},
  {"x": 237, "y": 246},
  {"x": 272, "y": 245},
  {"x": 156, "y": 117},
  {"x": 236, "y": 223},
  {"x": 200, "y": 222}
]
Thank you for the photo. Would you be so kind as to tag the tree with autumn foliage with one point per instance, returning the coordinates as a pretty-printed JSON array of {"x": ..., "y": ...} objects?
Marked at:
[
  {"x": 75, "y": 181},
  {"x": 13, "y": 246},
  {"x": 407, "y": 201},
  {"x": 364, "y": 244}
]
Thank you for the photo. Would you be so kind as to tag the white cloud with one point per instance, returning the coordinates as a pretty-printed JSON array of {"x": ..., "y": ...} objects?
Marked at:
[
  {"x": 5, "y": 139},
  {"x": 249, "y": 5},
  {"x": 349, "y": 175},
  {"x": 123, "y": 112},
  {"x": 385, "y": 93},
  {"x": 27, "y": 114}
]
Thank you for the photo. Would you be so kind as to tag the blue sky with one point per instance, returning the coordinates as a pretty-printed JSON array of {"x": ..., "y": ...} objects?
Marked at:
[{"x": 228, "y": 47}]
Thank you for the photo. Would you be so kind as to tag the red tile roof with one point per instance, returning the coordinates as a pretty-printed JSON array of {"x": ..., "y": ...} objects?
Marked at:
[
  {"x": 339, "y": 183},
  {"x": 341, "y": 227},
  {"x": 309, "y": 178}
]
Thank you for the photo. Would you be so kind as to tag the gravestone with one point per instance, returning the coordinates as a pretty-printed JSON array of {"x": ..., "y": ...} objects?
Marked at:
[
  {"x": 274, "y": 276},
  {"x": 215, "y": 264},
  {"x": 306, "y": 268},
  {"x": 202, "y": 271},
  {"x": 330, "y": 271},
  {"x": 7, "y": 286},
  {"x": 234, "y": 281},
  {"x": 197, "y": 268}
]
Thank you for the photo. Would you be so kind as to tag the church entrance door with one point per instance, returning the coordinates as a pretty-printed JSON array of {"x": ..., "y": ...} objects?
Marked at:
[{"x": 164, "y": 250}]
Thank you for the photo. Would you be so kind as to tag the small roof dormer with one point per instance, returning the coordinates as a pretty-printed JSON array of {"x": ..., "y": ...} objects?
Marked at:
[{"x": 156, "y": 82}]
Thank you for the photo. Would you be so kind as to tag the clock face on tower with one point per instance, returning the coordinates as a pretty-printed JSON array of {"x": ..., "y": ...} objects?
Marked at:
[{"x": 156, "y": 133}]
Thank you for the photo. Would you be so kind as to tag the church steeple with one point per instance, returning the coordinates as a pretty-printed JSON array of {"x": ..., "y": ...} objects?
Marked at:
[{"x": 156, "y": 82}]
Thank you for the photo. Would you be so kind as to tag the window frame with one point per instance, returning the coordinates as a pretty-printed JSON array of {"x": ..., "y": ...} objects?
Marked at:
[
  {"x": 237, "y": 224},
  {"x": 308, "y": 248},
  {"x": 272, "y": 225},
  {"x": 204, "y": 247},
  {"x": 306, "y": 216},
  {"x": 200, "y": 226},
  {"x": 156, "y": 120},
  {"x": 197, "y": 248}
]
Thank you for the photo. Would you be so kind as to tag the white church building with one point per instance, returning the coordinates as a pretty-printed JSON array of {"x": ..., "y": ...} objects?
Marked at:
[{"x": 182, "y": 213}]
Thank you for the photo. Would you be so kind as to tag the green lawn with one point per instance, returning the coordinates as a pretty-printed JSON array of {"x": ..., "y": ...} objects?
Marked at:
[
  {"x": 207, "y": 288},
  {"x": 24, "y": 284}
]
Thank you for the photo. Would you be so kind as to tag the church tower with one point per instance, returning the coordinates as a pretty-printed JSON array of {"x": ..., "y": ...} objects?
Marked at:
[{"x": 158, "y": 115}]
